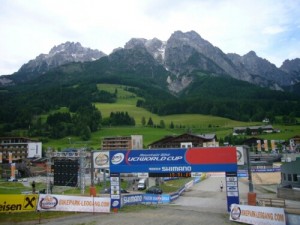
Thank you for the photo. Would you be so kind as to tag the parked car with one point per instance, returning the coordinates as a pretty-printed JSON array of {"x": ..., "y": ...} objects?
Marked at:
[
  {"x": 107, "y": 191},
  {"x": 142, "y": 184},
  {"x": 12, "y": 179},
  {"x": 154, "y": 190}
]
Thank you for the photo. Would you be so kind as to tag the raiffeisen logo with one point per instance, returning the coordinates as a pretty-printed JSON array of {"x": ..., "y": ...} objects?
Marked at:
[{"x": 117, "y": 158}]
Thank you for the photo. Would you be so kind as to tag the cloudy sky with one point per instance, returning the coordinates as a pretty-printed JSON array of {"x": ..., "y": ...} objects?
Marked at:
[{"x": 271, "y": 28}]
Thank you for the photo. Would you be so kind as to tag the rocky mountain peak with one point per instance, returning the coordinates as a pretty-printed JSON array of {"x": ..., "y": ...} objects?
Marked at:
[
  {"x": 181, "y": 55},
  {"x": 251, "y": 54},
  {"x": 59, "y": 55},
  {"x": 291, "y": 66},
  {"x": 261, "y": 71},
  {"x": 135, "y": 42},
  {"x": 154, "y": 46},
  {"x": 70, "y": 47},
  {"x": 191, "y": 38},
  {"x": 188, "y": 51}
]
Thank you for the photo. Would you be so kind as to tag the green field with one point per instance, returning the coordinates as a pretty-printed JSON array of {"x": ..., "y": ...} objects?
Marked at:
[{"x": 126, "y": 102}]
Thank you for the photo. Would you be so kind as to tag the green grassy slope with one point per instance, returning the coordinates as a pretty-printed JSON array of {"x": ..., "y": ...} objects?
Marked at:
[{"x": 126, "y": 102}]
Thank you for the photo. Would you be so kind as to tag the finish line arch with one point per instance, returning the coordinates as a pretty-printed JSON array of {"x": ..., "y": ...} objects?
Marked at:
[{"x": 166, "y": 162}]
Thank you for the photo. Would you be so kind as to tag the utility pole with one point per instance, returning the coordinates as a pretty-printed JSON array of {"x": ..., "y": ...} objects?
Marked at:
[
  {"x": 249, "y": 170},
  {"x": 82, "y": 169},
  {"x": 48, "y": 168}
]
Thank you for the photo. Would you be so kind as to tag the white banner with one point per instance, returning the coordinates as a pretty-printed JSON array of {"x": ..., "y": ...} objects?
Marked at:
[
  {"x": 73, "y": 203},
  {"x": 257, "y": 215},
  {"x": 240, "y": 155}
]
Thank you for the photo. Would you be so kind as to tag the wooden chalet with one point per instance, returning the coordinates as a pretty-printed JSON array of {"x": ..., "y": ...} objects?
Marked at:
[{"x": 174, "y": 141}]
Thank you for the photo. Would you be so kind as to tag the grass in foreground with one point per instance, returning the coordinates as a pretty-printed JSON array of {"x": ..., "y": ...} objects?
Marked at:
[{"x": 12, "y": 218}]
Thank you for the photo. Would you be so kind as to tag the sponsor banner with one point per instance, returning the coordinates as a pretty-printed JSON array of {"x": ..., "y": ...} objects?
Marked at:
[
  {"x": 232, "y": 194},
  {"x": 158, "y": 199},
  {"x": 181, "y": 190},
  {"x": 189, "y": 184},
  {"x": 232, "y": 189},
  {"x": 143, "y": 175},
  {"x": 262, "y": 170},
  {"x": 174, "y": 160},
  {"x": 231, "y": 179},
  {"x": 240, "y": 155},
  {"x": 212, "y": 155},
  {"x": 115, "y": 190},
  {"x": 174, "y": 196},
  {"x": 196, "y": 174},
  {"x": 116, "y": 203},
  {"x": 132, "y": 199},
  {"x": 101, "y": 159},
  {"x": 73, "y": 203},
  {"x": 257, "y": 215},
  {"x": 18, "y": 203},
  {"x": 242, "y": 174}
]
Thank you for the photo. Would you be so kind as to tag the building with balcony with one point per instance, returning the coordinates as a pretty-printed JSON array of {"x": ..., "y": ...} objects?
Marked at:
[
  {"x": 122, "y": 142},
  {"x": 17, "y": 148}
]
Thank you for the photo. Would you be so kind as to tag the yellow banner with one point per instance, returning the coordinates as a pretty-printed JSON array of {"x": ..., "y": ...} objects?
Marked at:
[{"x": 18, "y": 203}]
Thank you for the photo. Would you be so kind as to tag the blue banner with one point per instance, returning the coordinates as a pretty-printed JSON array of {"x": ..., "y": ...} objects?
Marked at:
[
  {"x": 132, "y": 199},
  {"x": 156, "y": 199},
  {"x": 261, "y": 170},
  {"x": 169, "y": 161}
]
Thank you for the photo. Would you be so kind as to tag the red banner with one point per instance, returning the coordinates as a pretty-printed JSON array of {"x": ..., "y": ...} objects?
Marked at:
[{"x": 211, "y": 155}]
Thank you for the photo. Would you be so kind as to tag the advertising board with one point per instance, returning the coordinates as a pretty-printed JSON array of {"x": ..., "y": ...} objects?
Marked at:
[
  {"x": 101, "y": 159},
  {"x": 132, "y": 199},
  {"x": 156, "y": 199},
  {"x": 73, "y": 203},
  {"x": 18, "y": 203},
  {"x": 210, "y": 159},
  {"x": 257, "y": 215}
]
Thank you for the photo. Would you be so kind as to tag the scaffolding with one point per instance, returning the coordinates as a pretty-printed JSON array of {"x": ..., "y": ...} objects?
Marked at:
[{"x": 79, "y": 154}]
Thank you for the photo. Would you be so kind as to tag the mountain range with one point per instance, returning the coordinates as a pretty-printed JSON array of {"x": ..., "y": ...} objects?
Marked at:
[
  {"x": 178, "y": 58},
  {"x": 183, "y": 75}
]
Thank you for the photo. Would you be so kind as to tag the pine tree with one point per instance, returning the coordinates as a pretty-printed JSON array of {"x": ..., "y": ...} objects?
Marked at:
[
  {"x": 150, "y": 122},
  {"x": 172, "y": 125},
  {"x": 143, "y": 121}
]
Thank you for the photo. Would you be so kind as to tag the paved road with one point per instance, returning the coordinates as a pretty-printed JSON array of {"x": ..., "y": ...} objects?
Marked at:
[
  {"x": 203, "y": 204},
  {"x": 206, "y": 195}
]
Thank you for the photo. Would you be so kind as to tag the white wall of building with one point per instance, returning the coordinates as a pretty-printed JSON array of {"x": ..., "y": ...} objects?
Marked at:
[
  {"x": 34, "y": 149},
  {"x": 137, "y": 141}
]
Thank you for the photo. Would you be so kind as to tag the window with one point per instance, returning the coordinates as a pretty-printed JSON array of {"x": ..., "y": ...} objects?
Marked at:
[
  {"x": 295, "y": 178},
  {"x": 283, "y": 176},
  {"x": 289, "y": 177}
]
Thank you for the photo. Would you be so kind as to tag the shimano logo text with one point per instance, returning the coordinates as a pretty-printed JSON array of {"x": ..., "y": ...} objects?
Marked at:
[{"x": 176, "y": 168}]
